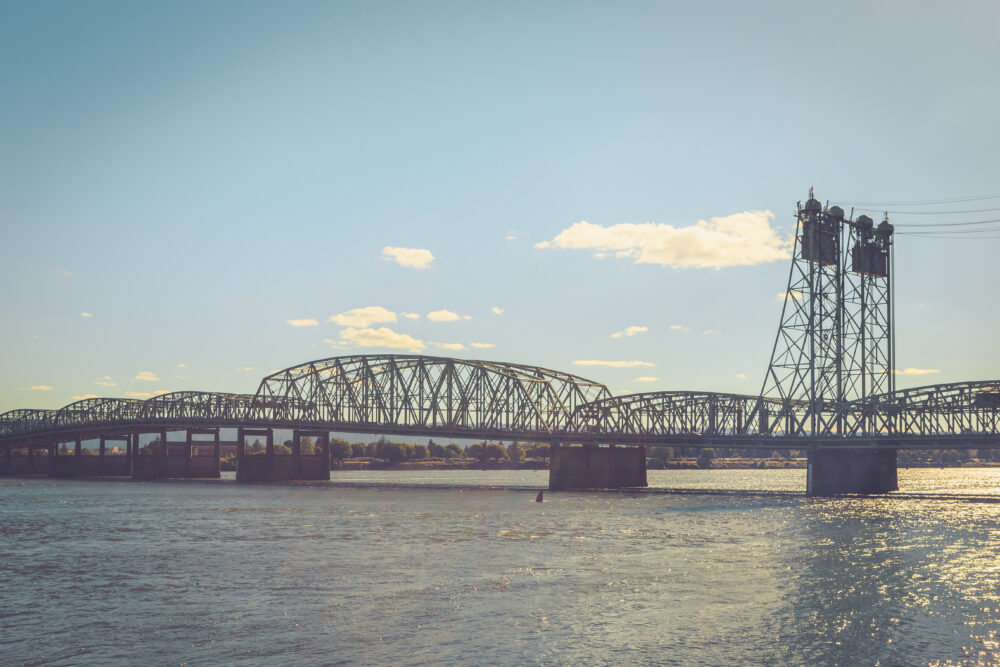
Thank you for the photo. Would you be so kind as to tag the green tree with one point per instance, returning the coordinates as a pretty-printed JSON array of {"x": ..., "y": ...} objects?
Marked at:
[
  {"x": 435, "y": 450},
  {"x": 494, "y": 451},
  {"x": 307, "y": 446},
  {"x": 474, "y": 451},
  {"x": 541, "y": 450},
  {"x": 515, "y": 452},
  {"x": 340, "y": 449},
  {"x": 706, "y": 457},
  {"x": 420, "y": 452},
  {"x": 395, "y": 452},
  {"x": 358, "y": 450},
  {"x": 283, "y": 450}
]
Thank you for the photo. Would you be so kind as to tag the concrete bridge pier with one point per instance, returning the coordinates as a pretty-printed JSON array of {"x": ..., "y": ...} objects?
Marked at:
[
  {"x": 593, "y": 467},
  {"x": 66, "y": 466},
  {"x": 269, "y": 466},
  {"x": 834, "y": 472}
]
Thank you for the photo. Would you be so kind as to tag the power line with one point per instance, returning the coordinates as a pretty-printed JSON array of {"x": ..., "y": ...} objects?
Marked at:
[
  {"x": 925, "y": 202},
  {"x": 949, "y": 238},
  {"x": 968, "y": 210},
  {"x": 907, "y": 225},
  {"x": 980, "y": 232}
]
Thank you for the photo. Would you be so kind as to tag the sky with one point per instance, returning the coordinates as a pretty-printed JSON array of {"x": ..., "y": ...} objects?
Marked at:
[{"x": 196, "y": 194}]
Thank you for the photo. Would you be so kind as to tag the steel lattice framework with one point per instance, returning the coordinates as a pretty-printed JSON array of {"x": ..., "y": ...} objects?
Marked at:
[
  {"x": 669, "y": 415},
  {"x": 406, "y": 394},
  {"x": 834, "y": 342},
  {"x": 957, "y": 409},
  {"x": 424, "y": 392}
]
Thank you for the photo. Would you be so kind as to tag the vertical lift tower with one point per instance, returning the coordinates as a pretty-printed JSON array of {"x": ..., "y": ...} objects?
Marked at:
[{"x": 833, "y": 354}]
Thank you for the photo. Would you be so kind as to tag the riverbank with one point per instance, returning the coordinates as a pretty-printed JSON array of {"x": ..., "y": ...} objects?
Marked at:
[{"x": 541, "y": 464}]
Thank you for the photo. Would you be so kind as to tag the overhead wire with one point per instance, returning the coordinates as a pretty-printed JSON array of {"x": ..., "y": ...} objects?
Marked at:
[
  {"x": 944, "y": 229},
  {"x": 925, "y": 202}
]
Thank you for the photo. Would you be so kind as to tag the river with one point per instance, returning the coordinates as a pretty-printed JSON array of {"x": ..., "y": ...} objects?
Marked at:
[{"x": 709, "y": 567}]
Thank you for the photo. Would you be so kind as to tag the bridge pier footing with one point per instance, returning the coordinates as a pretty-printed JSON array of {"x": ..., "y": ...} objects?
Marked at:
[
  {"x": 270, "y": 467},
  {"x": 834, "y": 472},
  {"x": 590, "y": 467}
]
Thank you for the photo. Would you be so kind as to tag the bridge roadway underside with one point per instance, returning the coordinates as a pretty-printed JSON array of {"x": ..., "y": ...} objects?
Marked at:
[{"x": 600, "y": 461}]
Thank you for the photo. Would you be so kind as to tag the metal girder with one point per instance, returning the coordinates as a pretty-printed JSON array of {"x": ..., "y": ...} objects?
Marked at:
[
  {"x": 99, "y": 410},
  {"x": 951, "y": 409},
  {"x": 425, "y": 395},
  {"x": 198, "y": 405},
  {"x": 687, "y": 413},
  {"x": 427, "y": 392},
  {"x": 16, "y": 421}
]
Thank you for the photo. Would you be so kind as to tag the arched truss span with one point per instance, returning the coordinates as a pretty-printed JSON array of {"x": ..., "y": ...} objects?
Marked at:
[
  {"x": 16, "y": 421},
  {"x": 957, "y": 408},
  {"x": 683, "y": 413},
  {"x": 198, "y": 405},
  {"x": 425, "y": 392},
  {"x": 99, "y": 410}
]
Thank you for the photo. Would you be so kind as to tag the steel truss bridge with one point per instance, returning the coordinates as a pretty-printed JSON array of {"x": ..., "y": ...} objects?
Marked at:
[
  {"x": 440, "y": 397},
  {"x": 830, "y": 385}
]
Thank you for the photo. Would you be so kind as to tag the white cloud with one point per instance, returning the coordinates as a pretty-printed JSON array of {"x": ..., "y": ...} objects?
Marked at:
[
  {"x": 182, "y": 365},
  {"x": 86, "y": 314},
  {"x": 85, "y": 396},
  {"x": 793, "y": 295},
  {"x": 382, "y": 337},
  {"x": 678, "y": 327},
  {"x": 363, "y": 317},
  {"x": 917, "y": 371},
  {"x": 449, "y": 346},
  {"x": 629, "y": 331},
  {"x": 65, "y": 272},
  {"x": 710, "y": 332},
  {"x": 443, "y": 316},
  {"x": 411, "y": 316},
  {"x": 482, "y": 345},
  {"x": 511, "y": 237},
  {"x": 332, "y": 343},
  {"x": 37, "y": 387},
  {"x": 106, "y": 382},
  {"x": 742, "y": 376},
  {"x": 146, "y": 394},
  {"x": 496, "y": 310},
  {"x": 741, "y": 239},
  {"x": 613, "y": 364},
  {"x": 183, "y": 377},
  {"x": 646, "y": 378},
  {"x": 248, "y": 369},
  {"x": 411, "y": 258},
  {"x": 146, "y": 376},
  {"x": 309, "y": 322}
]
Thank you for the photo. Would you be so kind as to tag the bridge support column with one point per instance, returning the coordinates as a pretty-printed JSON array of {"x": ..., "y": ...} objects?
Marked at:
[
  {"x": 833, "y": 472},
  {"x": 240, "y": 454},
  {"x": 254, "y": 467},
  {"x": 590, "y": 467},
  {"x": 8, "y": 457}
]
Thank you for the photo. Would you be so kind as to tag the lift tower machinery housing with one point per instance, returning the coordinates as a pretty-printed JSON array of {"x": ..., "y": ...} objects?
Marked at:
[{"x": 834, "y": 347}]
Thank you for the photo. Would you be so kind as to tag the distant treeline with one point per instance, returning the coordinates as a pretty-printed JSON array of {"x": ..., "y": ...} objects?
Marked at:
[{"x": 396, "y": 452}]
